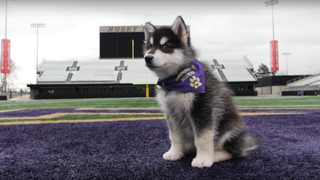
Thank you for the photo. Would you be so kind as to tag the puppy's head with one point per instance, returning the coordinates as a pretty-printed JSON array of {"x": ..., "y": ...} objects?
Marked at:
[{"x": 167, "y": 50}]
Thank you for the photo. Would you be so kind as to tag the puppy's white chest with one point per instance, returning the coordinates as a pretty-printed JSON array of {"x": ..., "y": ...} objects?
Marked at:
[{"x": 179, "y": 101}]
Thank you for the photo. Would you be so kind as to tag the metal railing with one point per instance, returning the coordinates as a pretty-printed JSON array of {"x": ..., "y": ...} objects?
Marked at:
[{"x": 296, "y": 79}]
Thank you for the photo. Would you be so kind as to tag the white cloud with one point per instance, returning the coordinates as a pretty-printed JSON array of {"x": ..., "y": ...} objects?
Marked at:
[{"x": 218, "y": 29}]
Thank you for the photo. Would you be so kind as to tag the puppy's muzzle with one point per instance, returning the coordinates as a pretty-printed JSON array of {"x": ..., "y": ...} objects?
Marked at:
[{"x": 148, "y": 59}]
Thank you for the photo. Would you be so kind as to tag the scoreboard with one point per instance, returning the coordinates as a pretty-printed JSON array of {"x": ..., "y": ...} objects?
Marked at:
[{"x": 121, "y": 41}]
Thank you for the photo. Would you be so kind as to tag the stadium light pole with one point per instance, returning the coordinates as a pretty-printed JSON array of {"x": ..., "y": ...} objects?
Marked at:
[
  {"x": 310, "y": 69},
  {"x": 5, "y": 37},
  {"x": 271, "y": 3},
  {"x": 274, "y": 55},
  {"x": 37, "y": 25},
  {"x": 286, "y": 54}
]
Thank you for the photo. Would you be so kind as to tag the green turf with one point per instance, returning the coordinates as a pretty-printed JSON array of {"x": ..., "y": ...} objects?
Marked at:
[
  {"x": 85, "y": 116},
  {"x": 78, "y": 103},
  {"x": 241, "y": 102},
  {"x": 278, "y": 102}
]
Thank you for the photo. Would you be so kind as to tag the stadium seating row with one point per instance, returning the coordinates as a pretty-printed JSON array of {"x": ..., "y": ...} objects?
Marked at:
[
  {"x": 131, "y": 71},
  {"x": 308, "y": 81}
]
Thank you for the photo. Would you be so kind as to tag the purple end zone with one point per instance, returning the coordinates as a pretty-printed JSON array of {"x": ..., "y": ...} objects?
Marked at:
[
  {"x": 280, "y": 110},
  {"x": 133, "y": 150},
  {"x": 41, "y": 112},
  {"x": 80, "y": 151}
]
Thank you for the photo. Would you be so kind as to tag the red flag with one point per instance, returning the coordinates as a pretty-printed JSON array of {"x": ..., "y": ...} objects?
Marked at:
[
  {"x": 274, "y": 56},
  {"x": 5, "y": 56}
]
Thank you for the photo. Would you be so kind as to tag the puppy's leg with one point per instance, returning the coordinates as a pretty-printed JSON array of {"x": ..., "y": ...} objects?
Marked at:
[
  {"x": 176, "y": 150},
  {"x": 221, "y": 156},
  {"x": 205, "y": 149}
]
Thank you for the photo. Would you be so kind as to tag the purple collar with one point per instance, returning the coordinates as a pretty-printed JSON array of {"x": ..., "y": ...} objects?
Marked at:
[{"x": 190, "y": 79}]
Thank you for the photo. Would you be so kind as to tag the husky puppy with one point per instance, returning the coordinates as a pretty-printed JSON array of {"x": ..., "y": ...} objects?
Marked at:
[{"x": 200, "y": 113}]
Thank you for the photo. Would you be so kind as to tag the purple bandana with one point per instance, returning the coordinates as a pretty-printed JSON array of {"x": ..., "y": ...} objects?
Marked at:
[{"x": 190, "y": 79}]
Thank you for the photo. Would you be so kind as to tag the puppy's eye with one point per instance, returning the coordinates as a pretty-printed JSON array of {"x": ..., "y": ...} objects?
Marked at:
[
  {"x": 149, "y": 46},
  {"x": 165, "y": 47}
]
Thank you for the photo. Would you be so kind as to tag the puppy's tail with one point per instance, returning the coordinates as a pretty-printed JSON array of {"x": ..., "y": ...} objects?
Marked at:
[{"x": 252, "y": 143}]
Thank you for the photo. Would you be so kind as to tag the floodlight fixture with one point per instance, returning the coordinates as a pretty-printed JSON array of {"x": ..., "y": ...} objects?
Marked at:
[
  {"x": 272, "y": 3},
  {"x": 286, "y": 54},
  {"x": 37, "y": 25}
]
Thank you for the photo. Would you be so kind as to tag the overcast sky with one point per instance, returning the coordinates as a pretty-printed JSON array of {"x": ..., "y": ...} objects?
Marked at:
[{"x": 219, "y": 29}]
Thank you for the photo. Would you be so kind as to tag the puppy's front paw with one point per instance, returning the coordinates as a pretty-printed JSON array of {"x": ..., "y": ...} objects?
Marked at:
[
  {"x": 202, "y": 162},
  {"x": 172, "y": 156}
]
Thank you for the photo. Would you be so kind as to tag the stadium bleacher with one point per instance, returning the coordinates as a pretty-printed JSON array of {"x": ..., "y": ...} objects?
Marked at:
[
  {"x": 317, "y": 83},
  {"x": 237, "y": 70},
  {"x": 137, "y": 73},
  {"x": 104, "y": 71},
  {"x": 308, "y": 81},
  {"x": 122, "y": 76},
  {"x": 53, "y": 71},
  {"x": 303, "y": 86},
  {"x": 93, "y": 71}
]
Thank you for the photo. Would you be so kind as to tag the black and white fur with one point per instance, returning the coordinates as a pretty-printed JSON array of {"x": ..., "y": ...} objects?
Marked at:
[{"x": 207, "y": 124}]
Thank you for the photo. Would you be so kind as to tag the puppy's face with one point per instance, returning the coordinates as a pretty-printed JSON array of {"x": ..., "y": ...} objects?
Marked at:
[
  {"x": 164, "y": 48},
  {"x": 163, "y": 52}
]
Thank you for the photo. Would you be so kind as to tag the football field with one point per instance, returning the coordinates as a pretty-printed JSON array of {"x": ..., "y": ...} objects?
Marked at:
[
  {"x": 86, "y": 110},
  {"x": 241, "y": 102},
  {"x": 125, "y": 139}
]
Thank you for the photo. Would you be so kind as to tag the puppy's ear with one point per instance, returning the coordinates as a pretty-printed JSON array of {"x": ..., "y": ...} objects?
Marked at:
[
  {"x": 148, "y": 30},
  {"x": 180, "y": 29}
]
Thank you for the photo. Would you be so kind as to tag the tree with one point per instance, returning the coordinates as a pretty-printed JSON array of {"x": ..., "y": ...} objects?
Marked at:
[
  {"x": 11, "y": 78},
  {"x": 263, "y": 71}
]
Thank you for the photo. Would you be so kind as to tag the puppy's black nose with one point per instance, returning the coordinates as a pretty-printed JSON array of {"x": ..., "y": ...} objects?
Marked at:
[{"x": 148, "y": 59}]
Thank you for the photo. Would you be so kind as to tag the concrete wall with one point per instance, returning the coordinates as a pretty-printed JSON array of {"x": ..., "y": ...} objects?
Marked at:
[
  {"x": 270, "y": 90},
  {"x": 33, "y": 92},
  {"x": 11, "y": 95}
]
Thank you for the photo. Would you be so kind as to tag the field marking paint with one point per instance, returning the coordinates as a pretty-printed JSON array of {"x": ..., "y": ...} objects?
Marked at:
[
  {"x": 55, "y": 115},
  {"x": 31, "y": 109},
  {"x": 239, "y": 107},
  {"x": 262, "y": 113},
  {"x": 11, "y": 110},
  {"x": 80, "y": 121},
  {"x": 112, "y": 119},
  {"x": 282, "y": 107},
  {"x": 92, "y": 108}
]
